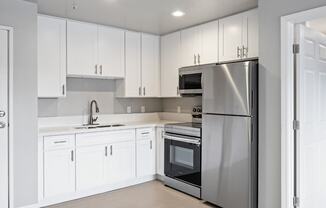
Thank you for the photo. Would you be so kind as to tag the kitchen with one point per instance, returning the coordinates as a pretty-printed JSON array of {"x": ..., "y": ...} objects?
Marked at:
[{"x": 162, "y": 99}]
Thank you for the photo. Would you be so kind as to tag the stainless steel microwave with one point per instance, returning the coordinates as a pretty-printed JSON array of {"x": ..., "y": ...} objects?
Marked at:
[{"x": 190, "y": 82}]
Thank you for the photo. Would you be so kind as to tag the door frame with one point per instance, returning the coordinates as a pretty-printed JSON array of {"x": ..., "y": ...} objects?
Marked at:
[
  {"x": 10, "y": 111},
  {"x": 287, "y": 96}
]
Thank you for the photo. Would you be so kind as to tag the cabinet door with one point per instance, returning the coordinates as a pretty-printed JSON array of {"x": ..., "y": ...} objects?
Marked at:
[
  {"x": 146, "y": 157},
  {"x": 133, "y": 64},
  {"x": 90, "y": 167},
  {"x": 230, "y": 38},
  {"x": 190, "y": 46},
  {"x": 170, "y": 64},
  {"x": 51, "y": 57},
  {"x": 250, "y": 34},
  {"x": 111, "y": 52},
  {"x": 121, "y": 162},
  {"x": 82, "y": 49},
  {"x": 59, "y": 172},
  {"x": 160, "y": 151},
  {"x": 209, "y": 43},
  {"x": 150, "y": 65}
]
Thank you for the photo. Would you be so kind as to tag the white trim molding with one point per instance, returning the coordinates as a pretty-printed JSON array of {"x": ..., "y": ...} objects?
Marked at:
[{"x": 287, "y": 111}]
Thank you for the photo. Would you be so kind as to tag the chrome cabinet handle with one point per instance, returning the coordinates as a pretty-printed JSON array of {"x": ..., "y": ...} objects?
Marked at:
[
  {"x": 2, "y": 125},
  {"x": 72, "y": 156},
  {"x": 178, "y": 91},
  {"x": 106, "y": 151},
  {"x": 139, "y": 91},
  {"x": 60, "y": 142},
  {"x": 195, "y": 59},
  {"x": 198, "y": 59},
  {"x": 144, "y": 91},
  {"x": 95, "y": 68},
  {"x": 2, "y": 114},
  {"x": 239, "y": 52},
  {"x": 151, "y": 144},
  {"x": 244, "y": 51},
  {"x": 63, "y": 89},
  {"x": 101, "y": 69},
  {"x": 111, "y": 150}
]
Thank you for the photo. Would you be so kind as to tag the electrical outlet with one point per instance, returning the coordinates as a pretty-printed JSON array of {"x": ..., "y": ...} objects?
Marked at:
[
  {"x": 143, "y": 109},
  {"x": 129, "y": 109},
  {"x": 179, "y": 109}
]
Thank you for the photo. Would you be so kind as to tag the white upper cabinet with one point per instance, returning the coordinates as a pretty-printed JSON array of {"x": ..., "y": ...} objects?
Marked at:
[
  {"x": 150, "y": 65},
  {"x": 238, "y": 38},
  {"x": 199, "y": 45},
  {"x": 170, "y": 64},
  {"x": 95, "y": 51},
  {"x": 82, "y": 49},
  {"x": 51, "y": 57},
  {"x": 111, "y": 51},
  {"x": 142, "y": 78}
]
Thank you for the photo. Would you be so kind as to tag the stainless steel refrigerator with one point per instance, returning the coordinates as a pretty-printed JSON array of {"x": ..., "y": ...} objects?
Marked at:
[{"x": 229, "y": 143}]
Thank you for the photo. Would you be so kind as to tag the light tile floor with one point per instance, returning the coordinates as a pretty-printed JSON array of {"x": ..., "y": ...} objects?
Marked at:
[{"x": 148, "y": 195}]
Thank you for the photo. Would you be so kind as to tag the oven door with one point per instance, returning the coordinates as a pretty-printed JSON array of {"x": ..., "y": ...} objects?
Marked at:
[
  {"x": 183, "y": 159},
  {"x": 190, "y": 83}
]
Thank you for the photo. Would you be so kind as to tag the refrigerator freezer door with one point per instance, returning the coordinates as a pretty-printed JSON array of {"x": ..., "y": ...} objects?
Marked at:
[
  {"x": 226, "y": 161},
  {"x": 227, "y": 88}
]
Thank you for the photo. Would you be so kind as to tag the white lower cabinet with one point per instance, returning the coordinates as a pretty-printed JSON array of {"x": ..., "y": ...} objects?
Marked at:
[
  {"x": 59, "y": 165},
  {"x": 90, "y": 166},
  {"x": 121, "y": 162},
  {"x": 146, "y": 164}
]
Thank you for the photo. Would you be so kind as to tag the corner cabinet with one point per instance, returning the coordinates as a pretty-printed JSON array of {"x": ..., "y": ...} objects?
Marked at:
[
  {"x": 94, "y": 51},
  {"x": 142, "y": 58},
  {"x": 170, "y": 64},
  {"x": 199, "y": 45},
  {"x": 238, "y": 36},
  {"x": 51, "y": 57}
]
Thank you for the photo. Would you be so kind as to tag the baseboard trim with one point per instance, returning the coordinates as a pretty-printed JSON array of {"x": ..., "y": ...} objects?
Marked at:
[{"x": 31, "y": 206}]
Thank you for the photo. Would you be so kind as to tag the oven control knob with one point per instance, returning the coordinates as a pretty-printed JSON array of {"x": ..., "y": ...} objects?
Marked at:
[{"x": 194, "y": 110}]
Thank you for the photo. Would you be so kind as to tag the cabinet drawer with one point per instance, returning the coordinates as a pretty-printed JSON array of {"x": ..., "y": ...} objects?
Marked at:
[
  {"x": 59, "y": 142},
  {"x": 100, "y": 138},
  {"x": 145, "y": 133}
]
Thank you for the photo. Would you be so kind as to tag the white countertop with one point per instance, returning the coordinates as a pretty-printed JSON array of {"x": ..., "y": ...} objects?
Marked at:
[{"x": 64, "y": 130}]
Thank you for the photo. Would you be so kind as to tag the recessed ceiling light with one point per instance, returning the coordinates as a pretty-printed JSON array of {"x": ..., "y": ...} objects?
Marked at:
[{"x": 178, "y": 13}]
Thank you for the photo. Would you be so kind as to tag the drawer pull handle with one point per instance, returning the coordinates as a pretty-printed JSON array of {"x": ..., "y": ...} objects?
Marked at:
[
  {"x": 145, "y": 133},
  {"x": 60, "y": 142},
  {"x": 72, "y": 156}
]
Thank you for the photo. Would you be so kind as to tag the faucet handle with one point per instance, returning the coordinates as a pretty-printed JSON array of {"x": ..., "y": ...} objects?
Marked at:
[{"x": 95, "y": 119}]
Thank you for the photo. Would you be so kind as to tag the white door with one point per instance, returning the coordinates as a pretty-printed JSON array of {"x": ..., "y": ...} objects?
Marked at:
[
  {"x": 190, "y": 46},
  {"x": 150, "y": 65},
  {"x": 311, "y": 94},
  {"x": 170, "y": 64},
  {"x": 82, "y": 49},
  {"x": 51, "y": 57},
  {"x": 4, "y": 136},
  {"x": 250, "y": 34},
  {"x": 145, "y": 157},
  {"x": 59, "y": 172},
  {"x": 111, "y": 52},
  {"x": 121, "y": 162},
  {"x": 209, "y": 43},
  {"x": 90, "y": 166},
  {"x": 230, "y": 38},
  {"x": 133, "y": 86}
]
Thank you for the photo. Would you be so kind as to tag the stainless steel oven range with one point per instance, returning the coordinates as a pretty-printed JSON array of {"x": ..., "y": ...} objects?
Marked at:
[{"x": 182, "y": 162}]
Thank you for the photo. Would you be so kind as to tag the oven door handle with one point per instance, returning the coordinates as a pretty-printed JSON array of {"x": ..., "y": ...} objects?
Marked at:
[{"x": 191, "y": 141}]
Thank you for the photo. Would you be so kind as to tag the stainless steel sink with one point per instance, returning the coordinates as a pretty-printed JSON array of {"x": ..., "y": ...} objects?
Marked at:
[{"x": 98, "y": 126}]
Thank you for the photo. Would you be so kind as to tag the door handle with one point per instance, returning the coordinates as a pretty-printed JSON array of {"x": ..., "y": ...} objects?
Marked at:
[
  {"x": 101, "y": 69},
  {"x": 111, "y": 150},
  {"x": 95, "y": 68},
  {"x": 106, "y": 151},
  {"x": 151, "y": 144},
  {"x": 144, "y": 91},
  {"x": 198, "y": 59},
  {"x": 2, "y": 125},
  {"x": 2, "y": 114},
  {"x": 195, "y": 59},
  {"x": 244, "y": 51},
  {"x": 239, "y": 52},
  {"x": 72, "y": 156}
]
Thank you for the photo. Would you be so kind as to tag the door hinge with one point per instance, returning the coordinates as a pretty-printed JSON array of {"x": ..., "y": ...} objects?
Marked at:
[
  {"x": 296, "y": 125},
  {"x": 296, "y": 201},
  {"x": 296, "y": 48}
]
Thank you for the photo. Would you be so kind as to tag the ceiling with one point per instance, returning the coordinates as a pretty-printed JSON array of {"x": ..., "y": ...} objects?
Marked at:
[
  {"x": 318, "y": 24},
  {"x": 153, "y": 16}
]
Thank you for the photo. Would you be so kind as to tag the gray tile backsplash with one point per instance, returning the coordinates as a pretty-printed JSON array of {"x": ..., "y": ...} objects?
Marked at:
[{"x": 81, "y": 91}]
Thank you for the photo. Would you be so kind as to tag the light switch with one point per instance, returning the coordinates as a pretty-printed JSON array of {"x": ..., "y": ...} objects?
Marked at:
[
  {"x": 143, "y": 109},
  {"x": 129, "y": 109}
]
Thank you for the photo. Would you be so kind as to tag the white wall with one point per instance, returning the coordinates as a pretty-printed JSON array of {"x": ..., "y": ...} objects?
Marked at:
[
  {"x": 270, "y": 12},
  {"x": 22, "y": 17}
]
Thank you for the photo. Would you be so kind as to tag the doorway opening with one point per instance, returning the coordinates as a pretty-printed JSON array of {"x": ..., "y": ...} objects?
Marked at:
[{"x": 303, "y": 55}]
